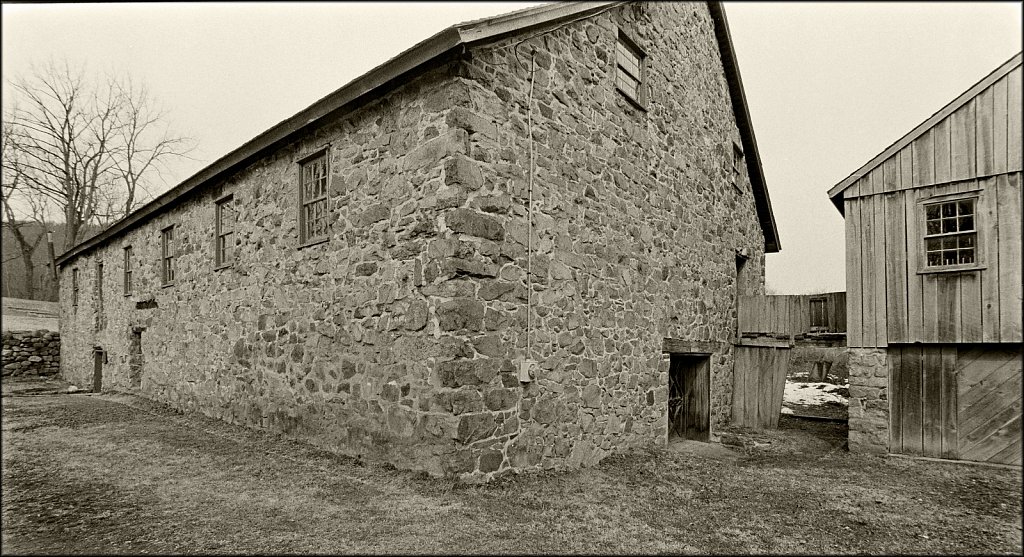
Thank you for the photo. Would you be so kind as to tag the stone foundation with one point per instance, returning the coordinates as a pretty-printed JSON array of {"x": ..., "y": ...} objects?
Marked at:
[
  {"x": 869, "y": 400},
  {"x": 31, "y": 353}
]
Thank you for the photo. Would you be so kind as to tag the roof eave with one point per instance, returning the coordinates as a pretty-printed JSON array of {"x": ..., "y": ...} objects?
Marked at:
[{"x": 763, "y": 202}]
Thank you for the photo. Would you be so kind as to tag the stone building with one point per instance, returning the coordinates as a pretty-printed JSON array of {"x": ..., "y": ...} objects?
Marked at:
[
  {"x": 575, "y": 185},
  {"x": 933, "y": 279}
]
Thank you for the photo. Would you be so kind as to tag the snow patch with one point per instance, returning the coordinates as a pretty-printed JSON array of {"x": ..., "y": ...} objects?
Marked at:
[{"x": 814, "y": 394}]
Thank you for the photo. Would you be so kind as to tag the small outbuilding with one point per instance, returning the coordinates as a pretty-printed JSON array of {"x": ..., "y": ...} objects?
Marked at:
[{"x": 933, "y": 278}]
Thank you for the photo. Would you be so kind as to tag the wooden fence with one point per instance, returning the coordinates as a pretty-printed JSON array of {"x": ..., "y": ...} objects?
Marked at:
[{"x": 792, "y": 315}]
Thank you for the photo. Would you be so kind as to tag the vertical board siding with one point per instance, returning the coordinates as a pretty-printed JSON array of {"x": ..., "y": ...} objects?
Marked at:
[
  {"x": 931, "y": 396},
  {"x": 879, "y": 256},
  {"x": 999, "y": 126},
  {"x": 984, "y": 132},
  {"x": 896, "y": 267},
  {"x": 910, "y": 394},
  {"x": 948, "y": 403},
  {"x": 759, "y": 382},
  {"x": 924, "y": 400},
  {"x": 894, "y": 359},
  {"x": 961, "y": 145},
  {"x": 924, "y": 159},
  {"x": 1013, "y": 108},
  {"x": 942, "y": 151},
  {"x": 988, "y": 219},
  {"x": 1008, "y": 206},
  {"x": 854, "y": 288},
  {"x": 867, "y": 270}
]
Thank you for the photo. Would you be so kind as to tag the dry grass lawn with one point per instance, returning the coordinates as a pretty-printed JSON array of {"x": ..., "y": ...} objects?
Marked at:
[{"x": 118, "y": 474}]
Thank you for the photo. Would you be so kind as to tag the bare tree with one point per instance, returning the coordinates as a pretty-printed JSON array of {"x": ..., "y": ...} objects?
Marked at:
[
  {"x": 90, "y": 147},
  {"x": 12, "y": 185}
]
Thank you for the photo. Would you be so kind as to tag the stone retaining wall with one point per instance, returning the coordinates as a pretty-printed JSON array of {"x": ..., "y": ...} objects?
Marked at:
[
  {"x": 31, "y": 353},
  {"x": 869, "y": 400}
]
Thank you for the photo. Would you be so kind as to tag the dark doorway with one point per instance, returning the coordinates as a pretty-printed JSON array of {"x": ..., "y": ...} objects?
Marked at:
[
  {"x": 689, "y": 408},
  {"x": 97, "y": 369}
]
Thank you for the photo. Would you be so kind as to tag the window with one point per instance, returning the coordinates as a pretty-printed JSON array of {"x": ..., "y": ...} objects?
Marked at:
[
  {"x": 737, "y": 163},
  {"x": 819, "y": 315},
  {"x": 224, "y": 252},
  {"x": 167, "y": 255},
  {"x": 128, "y": 271},
  {"x": 951, "y": 235},
  {"x": 74, "y": 287},
  {"x": 99, "y": 287},
  {"x": 313, "y": 200},
  {"x": 629, "y": 75}
]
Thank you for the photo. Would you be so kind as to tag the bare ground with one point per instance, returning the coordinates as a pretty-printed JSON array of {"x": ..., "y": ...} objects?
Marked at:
[{"x": 115, "y": 473}]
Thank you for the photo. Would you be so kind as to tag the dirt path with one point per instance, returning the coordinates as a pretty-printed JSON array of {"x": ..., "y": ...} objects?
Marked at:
[{"x": 118, "y": 474}]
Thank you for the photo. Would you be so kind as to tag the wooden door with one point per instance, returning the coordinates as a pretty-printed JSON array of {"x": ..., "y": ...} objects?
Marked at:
[
  {"x": 689, "y": 394},
  {"x": 989, "y": 403},
  {"x": 759, "y": 383},
  {"x": 97, "y": 370}
]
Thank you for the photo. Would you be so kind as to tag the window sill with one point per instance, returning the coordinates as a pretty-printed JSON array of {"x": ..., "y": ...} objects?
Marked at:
[
  {"x": 167, "y": 285},
  {"x": 952, "y": 269},
  {"x": 313, "y": 243},
  {"x": 637, "y": 104},
  {"x": 223, "y": 266}
]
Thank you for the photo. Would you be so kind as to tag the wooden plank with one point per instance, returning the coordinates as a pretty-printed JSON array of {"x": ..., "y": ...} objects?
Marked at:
[
  {"x": 915, "y": 289},
  {"x": 930, "y": 307},
  {"x": 982, "y": 377},
  {"x": 763, "y": 396},
  {"x": 988, "y": 223},
  {"x": 854, "y": 297},
  {"x": 753, "y": 385},
  {"x": 841, "y": 312},
  {"x": 896, "y": 267},
  {"x": 984, "y": 132},
  {"x": 867, "y": 270},
  {"x": 972, "y": 138},
  {"x": 895, "y": 363},
  {"x": 1008, "y": 205},
  {"x": 779, "y": 383},
  {"x": 739, "y": 388},
  {"x": 947, "y": 304},
  {"x": 949, "y": 437},
  {"x": 1013, "y": 122},
  {"x": 913, "y": 412},
  {"x": 942, "y": 151},
  {"x": 879, "y": 256},
  {"x": 960, "y": 157},
  {"x": 924, "y": 160},
  {"x": 988, "y": 438},
  {"x": 970, "y": 307},
  {"x": 999, "y": 129},
  {"x": 1010, "y": 455},
  {"x": 907, "y": 167},
  {"x": 931, "y": 389},
  {"x": 890, "y": 174}
]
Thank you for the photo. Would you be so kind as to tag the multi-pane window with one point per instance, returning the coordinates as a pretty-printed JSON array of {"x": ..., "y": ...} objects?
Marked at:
[
  {"x": 630, "y": 73},
  {"x": 167, "y": 255},
  {"x": 313, "y": 213},
  {"x": 951, "y": 235},
  {"x": 128, "y": 271},
  {"x": 225, "y": 241},
  {"x": 74, "y": 287}
]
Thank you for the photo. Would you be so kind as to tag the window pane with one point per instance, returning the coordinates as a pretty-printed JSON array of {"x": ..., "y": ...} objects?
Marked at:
[
  {"x": 949, "y": 243},
  {"x": 966, "y": 256},
  {"x": 949, "y": 209},
  {"x": 967, "y": 241},
  {"x": 967, "y": 223},
  {"x": 934, "y": 259},
  {"x": 966, "y": 207},
  {"x": 934, "y": 227},
  {"x": 948, "y": 225},
  {"x": 933, "y": 244},
  {"x": 932, "y": 212}
]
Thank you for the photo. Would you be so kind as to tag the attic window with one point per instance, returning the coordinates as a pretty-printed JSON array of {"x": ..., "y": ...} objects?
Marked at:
[
  {"x": 313, "y": 215},
  {"x": 629, "y": 75},
  {"x": 737, "y": 163}
]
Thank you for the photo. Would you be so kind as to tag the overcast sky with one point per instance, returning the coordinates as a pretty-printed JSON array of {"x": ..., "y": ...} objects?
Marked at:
[{"x": 829, "y": 85}]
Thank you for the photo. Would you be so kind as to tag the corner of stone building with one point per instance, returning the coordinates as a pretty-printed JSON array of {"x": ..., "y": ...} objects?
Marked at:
[{"x": 869, "y": 400}]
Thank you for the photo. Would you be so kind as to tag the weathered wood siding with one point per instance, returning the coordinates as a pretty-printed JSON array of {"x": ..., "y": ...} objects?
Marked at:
[
  {"x": 790, "y": 314},
  {"x": 976, "y": 148},
  {"x": 759, "y": 385}
]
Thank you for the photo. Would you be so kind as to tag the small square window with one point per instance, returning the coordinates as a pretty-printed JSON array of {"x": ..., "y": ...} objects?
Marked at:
[
  {"x": 313, "y": 210},
  {"x": 629, "y": 74},
  {"x": 950, "y": 236}
]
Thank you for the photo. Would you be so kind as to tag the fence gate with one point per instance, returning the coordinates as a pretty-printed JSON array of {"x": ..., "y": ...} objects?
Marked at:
[{"x": 759, "y": 382}]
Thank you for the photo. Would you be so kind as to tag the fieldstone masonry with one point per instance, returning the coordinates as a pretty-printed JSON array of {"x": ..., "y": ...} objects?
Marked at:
[
  {"x": 869, "y": 400},
  {"x": 31, "y": 353},
  {"x": 399, "y": 338}
]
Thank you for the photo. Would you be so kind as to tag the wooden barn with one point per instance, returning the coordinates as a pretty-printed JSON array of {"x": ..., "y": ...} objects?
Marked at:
[{"x": 933, "y": 277}]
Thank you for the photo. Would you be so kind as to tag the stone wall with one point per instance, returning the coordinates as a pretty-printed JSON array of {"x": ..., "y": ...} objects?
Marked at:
[
  {"x": 869, "y": 400},
  {"x": 399, "y": 337},
  {"x": 31, "y": 353}
]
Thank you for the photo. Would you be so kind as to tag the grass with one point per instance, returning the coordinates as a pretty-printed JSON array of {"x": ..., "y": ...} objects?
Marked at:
[{"x": 118, "y": 474}]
